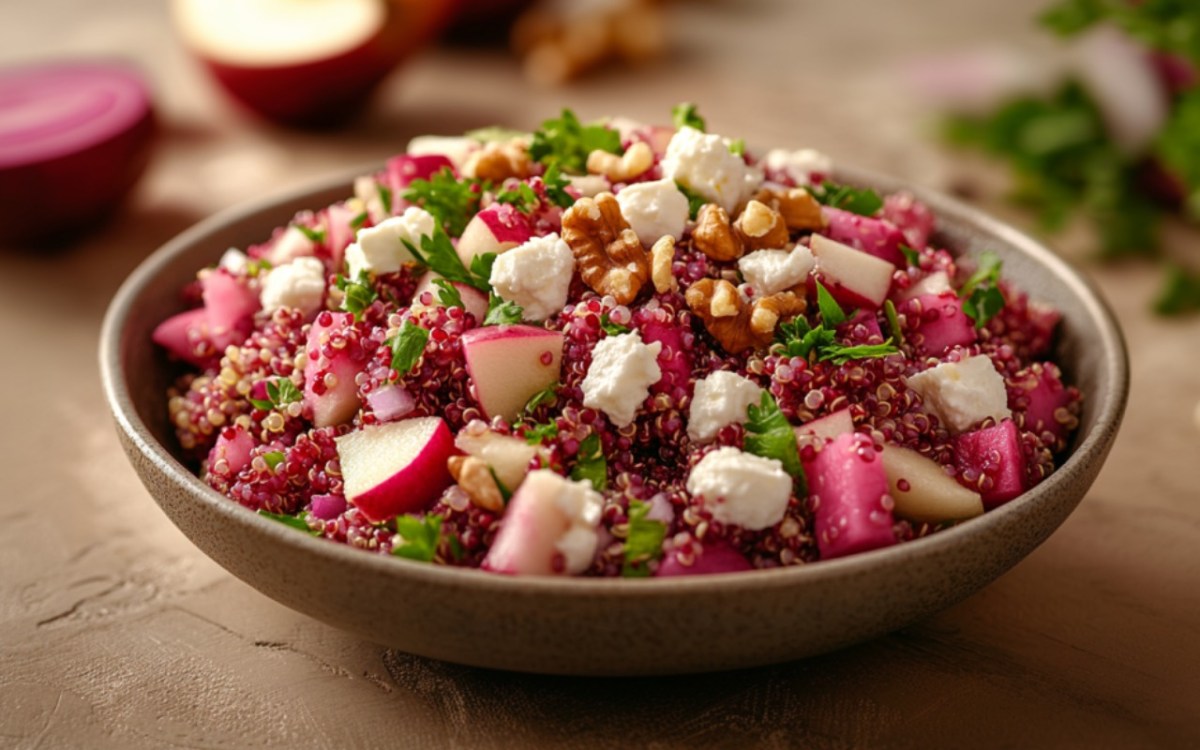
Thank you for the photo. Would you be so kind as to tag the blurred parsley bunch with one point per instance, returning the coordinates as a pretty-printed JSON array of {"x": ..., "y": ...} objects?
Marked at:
[{"x": 1064, "y": 160}]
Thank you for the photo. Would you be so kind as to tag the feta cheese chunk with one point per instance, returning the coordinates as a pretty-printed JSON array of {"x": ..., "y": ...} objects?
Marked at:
[
  {"x": 380, "y": 249},
  {"x": 963, "y": 393},
  {"x": 771, "y": 271},
  {"x": 654, "y": 209},
  {"x": 581, "y": 506},
  {"x": 366, "y": 189},
  {"x": 291, "y": 244},
  {"x": 299, "y": 284},
  {"x": 741, "y": 489},
  {"x": 618, "y": 380},
  {"x": 704, "y": 164},
  {"x": 535, "y": 275},
  {"x": 454, "y": 148},
  {"x": 720, "y": 399},
  {"x": 799, "y": 165},
  {"x": 234, "y": 261}
]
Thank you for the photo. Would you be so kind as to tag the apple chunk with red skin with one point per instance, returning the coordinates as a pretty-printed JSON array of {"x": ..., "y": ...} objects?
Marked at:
[
  {"x": 508, "y": 364},
  {"x": 395, "y": 468},
  {"x": 495, "y": 229},
  {"x": 853, "y": 277}
]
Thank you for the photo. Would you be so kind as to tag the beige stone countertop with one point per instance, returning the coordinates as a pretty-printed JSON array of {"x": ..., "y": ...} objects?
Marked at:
[{"x": 116, "y": 632}]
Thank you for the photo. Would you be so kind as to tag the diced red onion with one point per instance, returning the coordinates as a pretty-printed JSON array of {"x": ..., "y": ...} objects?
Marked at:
[{"x": 390, "y": 403}]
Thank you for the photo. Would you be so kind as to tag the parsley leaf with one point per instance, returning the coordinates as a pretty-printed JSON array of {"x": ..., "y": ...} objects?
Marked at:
[
  {"x": 450, "y": 200},
  {"x": 556, "y": 187},
  {"x": 273, "y": 459},
  {"x": 314, "y": 235},
  {"x": 300, "y": 523},
  {"x": 865, "y": 202},
  {"x": 911, "y": 256},
  {"x": 437, "y": 253},
  {"x": 591, "y": 464},
  {"x": 358, "y": 294},
  {"x": 685, "y": 113},
  {"x": 540, "y": 433},
  {"x": 831, "y": 312},
  {"x": 407, "y": 347},
  {"x": 522, "y": 197},
  {"x": 611, "y": 328},
  {"x": 737, "y": 147},
  {"x": 545, "y": 396},
  {"x": 840, "y": 354},
  {"x": 768, "y": 434},
  {"x": 643, "y": 542},
  {"x": 695, "y": 200},
  {"x": 505, "y": 492},
  {"x": 893, "y": 319},
  {"x": 358, "y": 220},
  {"x": 981, "y": 294},
  {"x": 281, "y": 391},
  {"x": 566, "y": 142},
  {"x": 1180, "y": 292},
  {"x": 419, "y": 536},
  {"x": 502, "y": 312},
  {"x": 385, "y": 198},
  {"x": 447, "y": 294},
  {"x": 799, "y": 339}
]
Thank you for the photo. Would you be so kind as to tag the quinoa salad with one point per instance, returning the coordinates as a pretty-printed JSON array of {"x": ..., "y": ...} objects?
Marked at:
[{"x": 614, "y": 349}]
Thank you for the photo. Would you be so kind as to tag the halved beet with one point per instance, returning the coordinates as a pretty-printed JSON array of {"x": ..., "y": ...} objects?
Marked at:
[{"x": 74, "y": 137}]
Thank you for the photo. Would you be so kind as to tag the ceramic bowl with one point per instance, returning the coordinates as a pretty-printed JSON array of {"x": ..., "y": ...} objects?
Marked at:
[{"x": 608, "y": 627}]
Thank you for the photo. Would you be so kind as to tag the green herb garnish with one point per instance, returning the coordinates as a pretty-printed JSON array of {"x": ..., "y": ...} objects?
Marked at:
[
  {"x": 419, "y": 535},
  {"x": 407, "y": 347},
  {"x": 769, "y": 435},
  {"x": 864, "y": 201},
  {"x": 911, "y": 256},
  {"x": 737, "y": 147},
  {"x": 438, "y": 254},
  {"x": 644, "y": 541},
  {"x": 1180, "y": 292},
  {"x": 447, "y": 294},
  {"x": 522, "y": 197},
  {"x": 566, "y": 142},
  {"x": 452, "y": 201},
  {"x": 893, "y": 319},
  {"x": 357, "y": 294},
  {"x": 502, "y": 312},
  {"x": 281, "y": 391},
  {"x": 981, "y": 294},
  {"x": 545, "y": 396},
  {"x": 840, "y": 354},
  {"x": 358, "y": 220},
  {"x": 685, "y": 114},
  {"x": 537, "y": 434},
  {"x": 590, "y": 463},
  {"x": 273, "y": 459},
  {"x": 695, "y": 200},
  {"x": 316, "y": 236},
  {"x": 300, "y": 523},
  {"x": 556, "y": 187},
  {"x": 831, "y": 312},
  {"x": 385, "y": 198},
  {"x": 611, "y": 328}
]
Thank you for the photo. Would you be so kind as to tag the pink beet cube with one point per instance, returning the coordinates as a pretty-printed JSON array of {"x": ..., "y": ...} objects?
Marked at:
[
  {"x": 991, "y": 462},
  {"x": 912, "y": 217},
  {"x": 877, "y": 237},
  {"x": 943, "y": 324},
  {"x": 1039, "y": 395},
  {"x": 673, "y": 360},
  {"x": 848, "y": 485},
  {"x": 714, "y": 557}
]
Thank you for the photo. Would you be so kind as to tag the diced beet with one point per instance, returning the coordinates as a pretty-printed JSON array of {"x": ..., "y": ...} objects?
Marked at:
[
  {"x": 714, "y": 557},
  {"x": 337, "y": 404},
  {"x": 848, "y": 485},
  {"x": 673, "y": 359},
  {"x": 1036, "y": 396},
  {"x": 328, "y": 507},
  {"x": 943, "y": 323},
  {"x": 234, "y": 446},
  {"x": 231, "y": 305},
  {"x": 403, "y": 169},
  {"x": 991, "y": 462},
  {"x": 912, "y": 217},
  {"x": 177, "y": 333},
  {"x": 877, "y": 237},
  {"x": 866, "y": 319}
]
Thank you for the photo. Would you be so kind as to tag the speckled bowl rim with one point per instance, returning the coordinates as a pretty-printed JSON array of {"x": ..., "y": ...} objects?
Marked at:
[{"x": 1110, "y": 407}]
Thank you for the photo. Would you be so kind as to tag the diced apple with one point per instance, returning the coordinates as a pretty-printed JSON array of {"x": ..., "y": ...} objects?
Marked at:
[
  {"x": 820, "y": 430},
  {"x": 509, "y": 457},
  {"x": 549, "y": 528},
  {"x": 177, "y": 333},
  {"x": 329, "y": 381},
  {"x": 508, "y": 364},
  {"x": 396, "y": 468},
  {"x": 923, "y": 491},
  {"x": 230, "y": 305},
  {"x": 853, "y": 277},
  {"x": 403, "y": 169},
  {"x": 495, "y": 229},
  {"x": 474, "y": 301}
]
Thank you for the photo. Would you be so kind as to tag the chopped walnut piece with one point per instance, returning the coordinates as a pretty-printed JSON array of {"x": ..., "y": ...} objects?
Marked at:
[
  {"x": 761, "y": 227},
  {"x": 724, "y": 302},
  {"x": 624, "y": 167},
  {"x": 475, "y": 478},
  {"x": 496, "y": 162},
  {"x": 610, "y": 257},
  {"x": 797, "y": 206},
  {"x": 752, "y": 326},
  {"x": 662, "y": 255},
  {"x": 714, "y": 235}
]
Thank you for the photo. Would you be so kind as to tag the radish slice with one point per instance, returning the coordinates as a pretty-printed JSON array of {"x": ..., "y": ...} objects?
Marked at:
[{"x": 74, "y": 138}]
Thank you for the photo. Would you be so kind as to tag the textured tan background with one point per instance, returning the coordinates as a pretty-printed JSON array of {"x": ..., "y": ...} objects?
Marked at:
[{"x": 116, "y": 632}]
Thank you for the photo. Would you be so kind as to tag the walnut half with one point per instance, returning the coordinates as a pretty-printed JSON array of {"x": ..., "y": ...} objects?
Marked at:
[
  {"x": 475, "y": 478},
  {"x": 796, "y": 205},
  {"x": 609, "y": 254},
  {"x": 750, "y": 325},
  {"x": 714, "y": 235}
]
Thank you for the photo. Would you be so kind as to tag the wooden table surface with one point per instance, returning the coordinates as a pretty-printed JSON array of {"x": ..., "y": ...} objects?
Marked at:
[{"x": 116, "y": 632}]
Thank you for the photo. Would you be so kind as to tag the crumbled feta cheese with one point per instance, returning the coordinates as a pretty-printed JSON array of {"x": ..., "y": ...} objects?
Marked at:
[
  {"x": 581, "y": 505},
  {"x": 289, "y": 245},
  {"x": 589, "y": 185},
  {"x": 771, "y": 271},
  {"x": 535, "y": 275},
  {"x": 720, "y": 399},
  {"x": 741, "y": 489},
  {"x": 618, "y": 380},
  {"x": 299, "y": 284},
  {"x": 799, "y": 165},
  {"x": 380, "y": 249},
  {"x": 234, "y": 261},
  {"x": 654, "y": 209},
  {"x": 454, "y": 148},
  {"x": 704, "y": 164},
  {"x": 963, "y": 393}
]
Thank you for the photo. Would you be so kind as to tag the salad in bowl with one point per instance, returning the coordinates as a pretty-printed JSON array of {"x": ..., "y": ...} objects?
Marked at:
[{"x": 615, "y": 349}]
